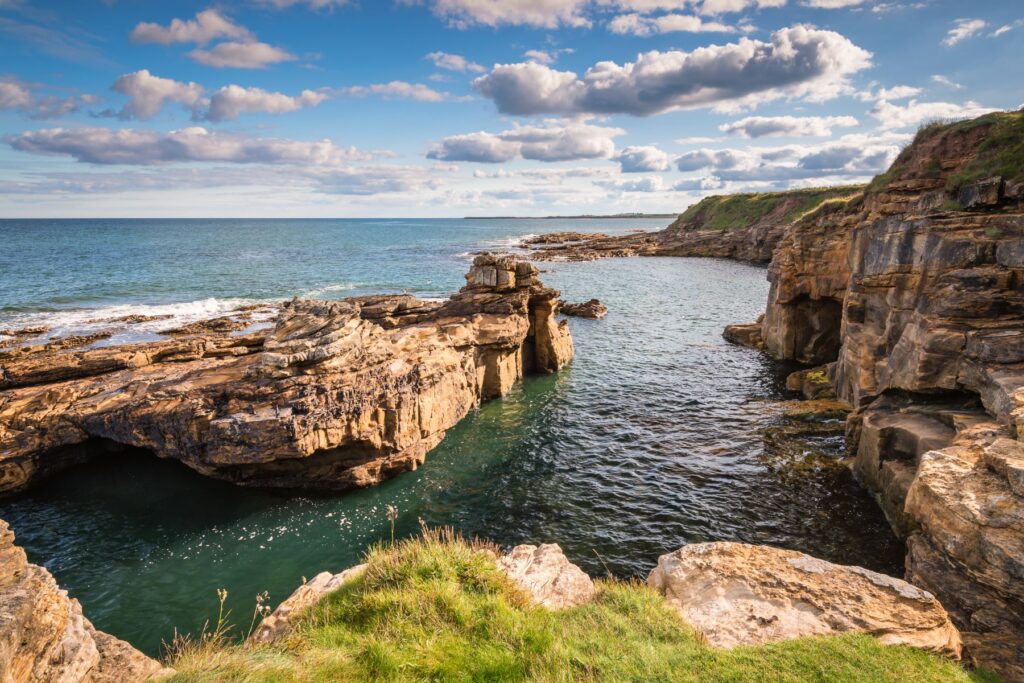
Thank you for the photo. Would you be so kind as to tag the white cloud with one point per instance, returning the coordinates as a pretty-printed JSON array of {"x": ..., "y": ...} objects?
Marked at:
[
  {"x": 312, "y": 4},
  {"x": 800, "y": 61},
  {"x": 241, "y": 55},
  {"x": 149, "y": 93},
  {"x": 208, "y": 25},
  {"x": 893, "y": 116},
  {"x": 964, "y": 29},
  {"x": 231, "y": 101},
  {"x": 537, "y": 13},
  {"x": 651, "y": 183},
  {"x": 883, "y": 7},
  {"x": 639, "y": 25},
  {"x": 725, "y": 6},
  {"x": 1006, "y": 28},
  {"x": 787, "y": 126},
  {"x": 833, "y": 4},
  {"x": 942, "y": 80},
  {"x": 22, "y": 97},
  {"x": 450, "y": 62},
  {"x": 897, "y": 92},
  {"x": 400, "y": 89},
  {"x": 642, "y": 159},
  {"x": 148, "y": 147},
  {"x": 851, "y": 156},
  {"x": 547, "y": 57},
  {"x": 550, "y": 142}
]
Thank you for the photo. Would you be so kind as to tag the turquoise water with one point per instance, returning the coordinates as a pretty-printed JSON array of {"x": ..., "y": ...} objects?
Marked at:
[{"x": 659, "y": 434}]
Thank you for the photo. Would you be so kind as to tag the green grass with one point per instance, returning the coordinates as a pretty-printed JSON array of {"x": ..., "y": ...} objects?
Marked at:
[
  {"x": 738, "y": 211},
  {"x": 437, "y": 609},
  {"x": 1001, "y": 154}
]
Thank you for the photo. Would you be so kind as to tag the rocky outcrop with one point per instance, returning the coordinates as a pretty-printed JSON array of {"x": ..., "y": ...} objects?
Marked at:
[
  {"x": 913, "y": 294},
  {"x": 547, "y": 576},
  {"x": 283, "y": 619},
  {"x": 45, "y": 637},
  {"x": 738, "y": 594},
  {"x": 334, "y": 395},
  {"x": 592, "y": 309}
]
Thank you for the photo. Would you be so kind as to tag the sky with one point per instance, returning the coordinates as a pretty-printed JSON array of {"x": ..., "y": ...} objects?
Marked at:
[{"x": 436, "y": 108}]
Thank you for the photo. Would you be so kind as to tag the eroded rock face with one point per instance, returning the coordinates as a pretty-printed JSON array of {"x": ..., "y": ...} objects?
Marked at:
[
  {"x": 45, "y": 637},
  {"x": 336, "y": 394},
  {"x": 739, "y": 594},
  {"x": 547, "y": 576}
]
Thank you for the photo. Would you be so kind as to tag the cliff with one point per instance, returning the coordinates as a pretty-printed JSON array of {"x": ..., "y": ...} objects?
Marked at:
[
  {"x": 912, "y": 293},
  {"x": 45, "y": 637},
  {"x": 332, "y": 395},
  {"x": 746, "y": 227}
]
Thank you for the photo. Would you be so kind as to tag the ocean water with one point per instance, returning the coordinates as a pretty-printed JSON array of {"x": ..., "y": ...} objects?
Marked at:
[{"x": 658, "y": 435}]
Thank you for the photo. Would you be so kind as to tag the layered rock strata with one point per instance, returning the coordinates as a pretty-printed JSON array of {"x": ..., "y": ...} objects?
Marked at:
[
  {"x": 334, "y": 395},
  {"x": 45, "y": 637},
  {"x": 738, "y": 594},
  {"x": 913, "y": 294}
]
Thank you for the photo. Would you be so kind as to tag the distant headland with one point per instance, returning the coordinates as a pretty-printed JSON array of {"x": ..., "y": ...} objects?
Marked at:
[{"x": 582, "y": 216}]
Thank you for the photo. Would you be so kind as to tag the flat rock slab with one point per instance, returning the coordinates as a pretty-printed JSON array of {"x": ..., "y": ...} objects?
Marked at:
[
  {"x": 738, "y": 594},
  {"x": 551, "y": 580}
]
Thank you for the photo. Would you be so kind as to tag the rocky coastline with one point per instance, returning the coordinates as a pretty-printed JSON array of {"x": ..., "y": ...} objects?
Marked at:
[{"x": 330, "y": 395}]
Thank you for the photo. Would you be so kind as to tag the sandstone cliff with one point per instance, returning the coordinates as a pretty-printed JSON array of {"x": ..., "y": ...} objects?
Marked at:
[
  {"x": 336, "y": 394},
  {"x": 45, "y": 637},
  {"x": 913, "y": 294},
  {"x": 746, "y": 227}
]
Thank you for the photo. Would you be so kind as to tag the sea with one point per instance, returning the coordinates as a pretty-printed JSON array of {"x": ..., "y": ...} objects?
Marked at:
[{"x": 659, "y": 434}]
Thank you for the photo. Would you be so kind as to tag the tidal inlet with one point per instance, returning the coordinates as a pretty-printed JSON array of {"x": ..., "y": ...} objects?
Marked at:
[{"x": 512, "y": 340}]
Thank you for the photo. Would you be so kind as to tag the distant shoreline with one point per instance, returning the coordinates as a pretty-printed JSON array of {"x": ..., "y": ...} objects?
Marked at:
[{"x": 566, "y": 218}]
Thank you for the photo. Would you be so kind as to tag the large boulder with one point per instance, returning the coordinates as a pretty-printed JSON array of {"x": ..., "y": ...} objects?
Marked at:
[
  {"x": 739, "y": 594},
  {"x": 45, "y": 637},
  {"x": 282, "y": 620},
  {"x": 544, "y": 572}
]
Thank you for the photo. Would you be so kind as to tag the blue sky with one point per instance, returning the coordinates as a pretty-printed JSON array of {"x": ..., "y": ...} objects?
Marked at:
[{"x": 457, "y": 107}]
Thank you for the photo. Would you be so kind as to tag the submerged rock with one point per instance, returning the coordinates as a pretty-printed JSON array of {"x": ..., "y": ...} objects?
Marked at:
[
  {"x": 592, "y": 309},
  {"x": 738, "y": 594},
  {"x": 334, "y": 395},
  {"x": 547, "y": 575},
  {"x": 45, "y": 637}
]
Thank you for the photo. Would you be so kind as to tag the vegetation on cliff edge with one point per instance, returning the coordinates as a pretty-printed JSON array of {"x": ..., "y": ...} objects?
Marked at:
[
  {"x": 438, "y": 609},
  {"x": 739, "y": 211}
]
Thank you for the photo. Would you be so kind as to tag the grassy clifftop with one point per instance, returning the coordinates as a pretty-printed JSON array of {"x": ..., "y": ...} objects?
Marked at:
[
  {"x": 740, "y": 211},
  {"x": 438, "y": 609}
]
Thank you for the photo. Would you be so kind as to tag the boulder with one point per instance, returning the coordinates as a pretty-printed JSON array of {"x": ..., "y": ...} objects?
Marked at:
[
  {"x": 282, "y": 620},
  {"x": 547, "y": 576},
  {"x": 745, "y": 335},
  {"x": 592, "y": 309},
  {"x": 738, "y": 594},
  {"x": 45, "y": 637}
]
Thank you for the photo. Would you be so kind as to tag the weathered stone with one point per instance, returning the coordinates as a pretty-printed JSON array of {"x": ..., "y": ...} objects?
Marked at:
[
  {"x": 45, "y": 637},
  {"x": 738, "y": 594},
  {"x": 336, "y": 394},
  {"x": 592, "y": 309},
  {"x": 547, "y": 576},
  {"x": 982, "y": 194},
  {"x": 283, "y": 619},
  {"x": 745, "y": 335}
]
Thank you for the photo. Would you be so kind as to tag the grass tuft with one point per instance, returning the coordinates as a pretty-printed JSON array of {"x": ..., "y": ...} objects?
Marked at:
[{"x": 437, "y": 608}]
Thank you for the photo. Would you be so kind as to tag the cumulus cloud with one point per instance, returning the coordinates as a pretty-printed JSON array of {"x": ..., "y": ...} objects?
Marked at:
[
  {"x": 550, "y": 142},
  {"x": 148, "y": 93},
  {"x": 642, "y": 159},
  {"x": 231, "y": 101},
  {"x": 147, "y": 147},
  {"x": 639, "y": 25},
  {"x": 851, "y": 156},
  {"x": 15, "y": 95},
  {"x": 962, "y": 30},
  {"x": 312, "y": 4},
  {"x": 800, "y": 61},
  {"x": 725, "y": 6},
  {"x": 399, "y": 89},
  {"x": 241, "y": 55},
  {"x": 651, "y": 183},
  {"x": 546, "y": 57},
  {"x": 536, "y": 13},
  {"x": 893, "y": 116},
  {"x": 207, "y": 26},
  {"x": 833, "y": 4},
  {"x": 787, "y": 126},
  {"x": 450, "y": 62}
]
